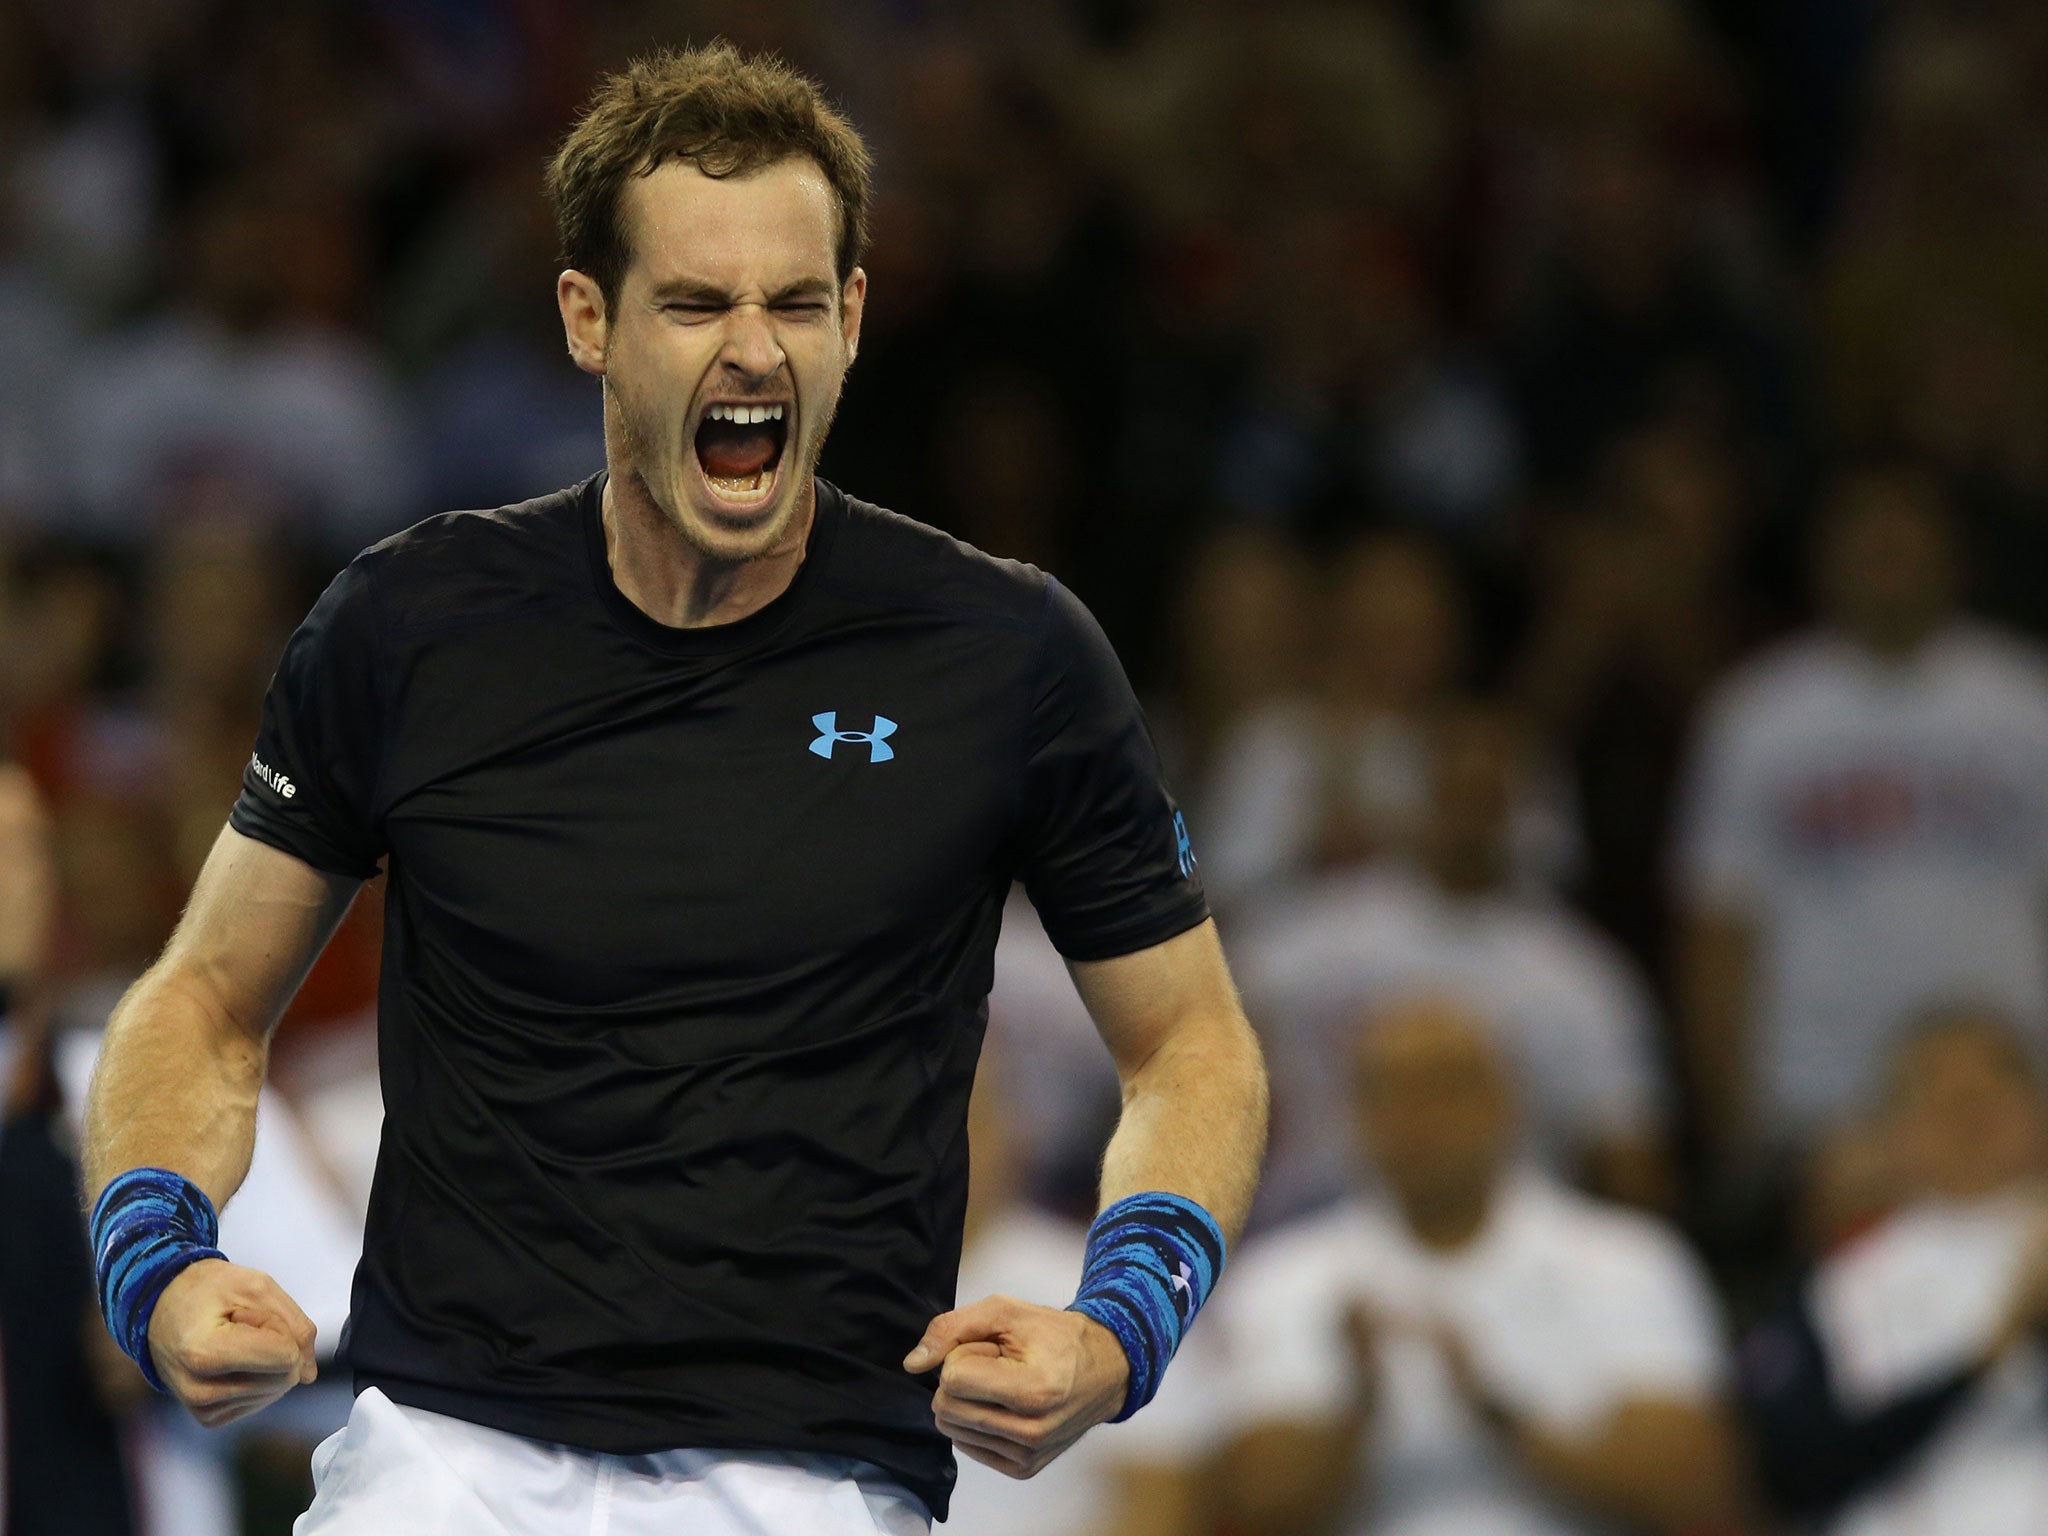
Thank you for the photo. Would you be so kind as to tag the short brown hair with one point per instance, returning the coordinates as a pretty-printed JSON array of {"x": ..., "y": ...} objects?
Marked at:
[{"x": 725, "y": 112}]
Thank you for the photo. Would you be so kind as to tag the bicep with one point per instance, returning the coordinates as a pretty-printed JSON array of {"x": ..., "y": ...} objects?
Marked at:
[
  {"x": 1143, "y": 1000},
  {"x": 256, "y": 921}
]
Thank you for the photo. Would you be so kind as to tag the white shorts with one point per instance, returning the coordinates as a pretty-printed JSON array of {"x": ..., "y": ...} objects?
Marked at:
[{"x": 398, "y": 1471}]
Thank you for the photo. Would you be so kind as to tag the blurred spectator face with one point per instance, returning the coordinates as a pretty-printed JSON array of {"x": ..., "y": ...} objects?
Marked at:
[
  {"x": 219, "y": 613},
  {"x": 117, "y": 895},
  {"x": 277, "y": 247},
  {"x": 1616, "y": 61},
  {"x": 1684, "y": 491},
  {"x": 1242, "y": 610},
  {"x": 731, "y": 295},
  {"x": 1952, "y": 112},
  {"x": 1476, "y": 757},
  {"x": 1008, "y": 461},
  {"x": 1887, "y": 561},
  {"x": 1397, "y": 626},
  {"x": 1968, "y": 1109},
  {"x": 27, "y": 879},
  {"x": 1434, "y": 1104},
  {"x": 59, "y": 631},
  {"x": 1620, "y": 212}
]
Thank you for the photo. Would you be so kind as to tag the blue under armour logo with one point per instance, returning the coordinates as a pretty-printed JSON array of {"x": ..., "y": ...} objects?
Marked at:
[
  {"x": 1183, "y": 846},
  {"x": 829, "y": 736}
]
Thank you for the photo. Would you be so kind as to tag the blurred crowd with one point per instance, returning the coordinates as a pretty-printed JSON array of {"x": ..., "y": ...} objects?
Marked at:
[{"x": 1569, "y": 479}]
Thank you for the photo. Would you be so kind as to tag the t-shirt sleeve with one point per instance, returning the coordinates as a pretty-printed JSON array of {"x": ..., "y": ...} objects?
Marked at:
[
  {"x": 310, "y": 785},
  {"x": 1103, "y": 849}
]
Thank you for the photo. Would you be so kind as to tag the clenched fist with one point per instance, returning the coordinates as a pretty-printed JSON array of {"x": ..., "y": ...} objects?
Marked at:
[
  {"x": 227, "y": 1341},
  {"x": 1020, "y": 1383}
]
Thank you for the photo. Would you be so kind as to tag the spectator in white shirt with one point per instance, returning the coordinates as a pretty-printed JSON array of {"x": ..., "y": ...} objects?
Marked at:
[
  {"x": 1339, "y": 775},
  {"x": 1480, "y": 1353},
  {"x": 1865, "y": 831},
  {"x": 1904, "y": 1390},
  {"x": 1564, "y": 1000}
]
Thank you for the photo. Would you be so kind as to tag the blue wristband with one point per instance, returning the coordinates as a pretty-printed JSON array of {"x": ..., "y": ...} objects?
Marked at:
[
  {"x": 147, "y": 1226},
  {"x": 1152, "y": 1261}
]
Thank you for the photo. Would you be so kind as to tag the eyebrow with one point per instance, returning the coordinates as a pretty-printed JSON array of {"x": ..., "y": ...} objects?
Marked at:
[{"x": 710, "y": 293}]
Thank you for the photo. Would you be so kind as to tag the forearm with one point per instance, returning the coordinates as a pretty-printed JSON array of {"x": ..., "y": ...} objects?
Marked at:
[
  {"x": 1194, "y": 1122},
  {"x": 185, "y": 1052},
  {"x": 1665, "y": 1467},
  {"x": 1294, "y": 1479},
  {"x": 175, "y": 1087}
]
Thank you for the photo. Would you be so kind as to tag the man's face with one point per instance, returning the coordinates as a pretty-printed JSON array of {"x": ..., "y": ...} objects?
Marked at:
[
  {"x": 1887, "y": 563},
  {"x": 1433, "y": 1102},
  {"x": 1474, "y": 758},
  {"x": 725, "y": 347},
  {"x": 1969, "y": 1116}
]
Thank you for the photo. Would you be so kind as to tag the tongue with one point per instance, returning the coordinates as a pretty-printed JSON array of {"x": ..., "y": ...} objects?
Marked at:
[{"x": 733, "y": 452}]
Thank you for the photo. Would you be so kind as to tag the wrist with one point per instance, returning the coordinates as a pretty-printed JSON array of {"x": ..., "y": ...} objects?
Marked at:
[
  {"x": 1152, "y": 1260},
  {"x": 149, "y": 1226},
  {"x": 1107, "y": 1367}
]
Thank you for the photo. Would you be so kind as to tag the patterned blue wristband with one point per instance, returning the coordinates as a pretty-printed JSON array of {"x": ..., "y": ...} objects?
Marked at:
[
  {"x": 147, "y": 1226},
  {"x": 1152, "y": 1261}
]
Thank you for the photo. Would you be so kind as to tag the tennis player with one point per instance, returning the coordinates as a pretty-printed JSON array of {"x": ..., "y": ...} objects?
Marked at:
[{"x": 699, "y": 787}]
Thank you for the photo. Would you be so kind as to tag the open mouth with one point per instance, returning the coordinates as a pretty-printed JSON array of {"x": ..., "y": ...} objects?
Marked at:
[{"x": 739, "y": 448}]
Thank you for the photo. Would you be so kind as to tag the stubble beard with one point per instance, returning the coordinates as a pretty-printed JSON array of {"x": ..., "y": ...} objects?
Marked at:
[{"x": 635, "y": 445}]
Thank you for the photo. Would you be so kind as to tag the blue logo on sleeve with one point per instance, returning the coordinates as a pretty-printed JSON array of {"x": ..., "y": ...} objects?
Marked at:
[
  {"x": 829, "y": 736},
  {"x": 1183, "y": 846}
]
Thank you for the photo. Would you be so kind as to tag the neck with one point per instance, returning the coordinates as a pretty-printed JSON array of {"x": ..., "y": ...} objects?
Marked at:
[
  {"x": 1463, "y": 877},
  {"x": 676, "y": 583},
  {"x": 1451, "y": 1220}
]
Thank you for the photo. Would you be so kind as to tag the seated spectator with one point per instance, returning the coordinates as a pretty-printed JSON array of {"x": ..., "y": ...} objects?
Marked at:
[
  {"x": 1904, "y": 1389},
  {"x": 1565, "y": 1003},
  {"x": 1640, "y": 606},
  {"x": 1479, "y": 1352},
  {"x": 1140, "y": 1478},
  {"x": 1339, "y": 776},
  {"x": 1865, "y": 830},
  {"x": 251, "y": 366},
  {"x": 1240, "y": 641},
  {"x": 63, "y": 1386}
]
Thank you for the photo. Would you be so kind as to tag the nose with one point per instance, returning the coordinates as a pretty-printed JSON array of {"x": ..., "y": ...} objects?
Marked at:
[{"x": 751, "y": 349}]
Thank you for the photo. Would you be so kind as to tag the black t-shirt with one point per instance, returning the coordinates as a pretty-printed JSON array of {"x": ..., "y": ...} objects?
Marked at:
[{"x": 687, "y": 953}]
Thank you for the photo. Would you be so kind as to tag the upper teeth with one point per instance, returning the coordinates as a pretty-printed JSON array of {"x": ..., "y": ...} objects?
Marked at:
[{"x": 744, "y": 415}]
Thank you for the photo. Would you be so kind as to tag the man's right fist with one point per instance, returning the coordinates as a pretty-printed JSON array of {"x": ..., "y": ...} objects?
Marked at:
[{"x": 227, "y": 1341}]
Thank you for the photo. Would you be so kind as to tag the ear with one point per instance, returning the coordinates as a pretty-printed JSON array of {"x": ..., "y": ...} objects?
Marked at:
[
  {"x": 584, "y": 321},
  {"x": 853, "y": 298}
]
